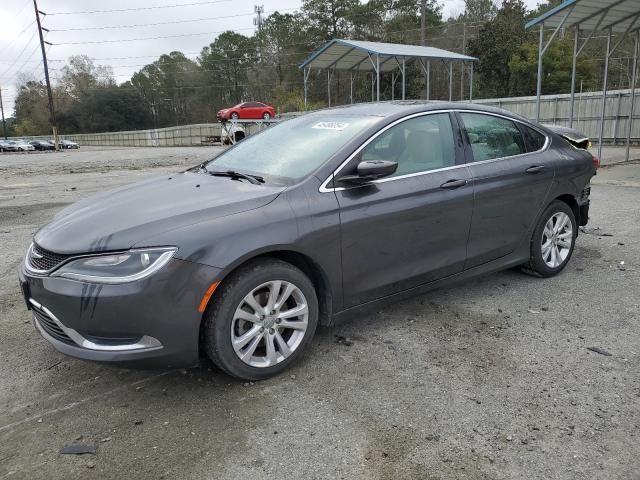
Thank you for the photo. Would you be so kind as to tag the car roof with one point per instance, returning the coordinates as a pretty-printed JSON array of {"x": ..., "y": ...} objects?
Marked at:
[{"x": 407, "y": 107}]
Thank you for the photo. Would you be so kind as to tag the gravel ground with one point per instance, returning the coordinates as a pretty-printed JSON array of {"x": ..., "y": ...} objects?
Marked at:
[{"x": 490, "y": 379}]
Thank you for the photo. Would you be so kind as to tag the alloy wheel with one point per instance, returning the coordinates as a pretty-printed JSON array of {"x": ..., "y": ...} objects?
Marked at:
[
  {"x": 557, "y": 239},
  {"x": 270, "y": 323}
]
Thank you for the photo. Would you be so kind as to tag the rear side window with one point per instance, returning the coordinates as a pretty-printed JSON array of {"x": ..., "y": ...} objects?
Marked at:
[
  {"x": 418, "y": 145},
  {"x": 535, "y": 140},
  {"x": 492, "y": 137}
]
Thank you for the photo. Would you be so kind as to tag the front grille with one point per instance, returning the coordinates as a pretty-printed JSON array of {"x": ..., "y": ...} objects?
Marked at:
[
  {"x": 41, "y": 259},
  {"x": 51, "y": 327}
]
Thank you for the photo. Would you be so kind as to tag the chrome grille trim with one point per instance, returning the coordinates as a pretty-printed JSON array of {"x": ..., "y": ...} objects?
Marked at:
[{"x": 40, "y": 261}]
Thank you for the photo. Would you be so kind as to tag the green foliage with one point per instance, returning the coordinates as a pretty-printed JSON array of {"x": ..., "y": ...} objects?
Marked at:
[
  {"x": 479, "y": 10},
  {"x": 497, "y": 41}
]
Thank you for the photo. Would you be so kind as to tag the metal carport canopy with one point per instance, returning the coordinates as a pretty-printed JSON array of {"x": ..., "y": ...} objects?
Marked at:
[
  {"x": 586, "y": 14},
  {"x": 620, "y": 17},
  {"x": 378, "y": 57}
]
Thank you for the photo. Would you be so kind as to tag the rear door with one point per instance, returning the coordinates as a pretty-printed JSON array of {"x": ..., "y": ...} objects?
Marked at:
[
  {"x": 512, "y": 178},
  {"x": 410, "y": 228}
]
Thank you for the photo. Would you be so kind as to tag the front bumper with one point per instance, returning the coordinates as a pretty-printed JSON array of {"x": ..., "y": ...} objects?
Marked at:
[{"x": 154, "y": 322}]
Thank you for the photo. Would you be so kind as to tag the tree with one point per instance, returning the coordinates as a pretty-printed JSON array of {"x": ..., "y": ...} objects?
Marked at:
[
  {"x": 225, "y": 64},
  {"x": 479, "y": 10},
  {"x": 173, "y": 90},
  {"x": 329, "y": 19},
  {"x": 497, "y": 41},
  {"x": 32, "y": 109}
]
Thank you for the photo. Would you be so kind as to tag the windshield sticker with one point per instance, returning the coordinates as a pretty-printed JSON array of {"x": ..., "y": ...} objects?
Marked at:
[{"x": 331, "y": 125}]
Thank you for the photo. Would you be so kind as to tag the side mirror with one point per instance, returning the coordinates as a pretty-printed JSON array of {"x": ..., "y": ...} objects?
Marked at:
[{"x": 369, "y": 170}]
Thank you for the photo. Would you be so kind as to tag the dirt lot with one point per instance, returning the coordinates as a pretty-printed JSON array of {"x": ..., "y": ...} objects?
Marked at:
[{"x": 489, "y": 379}]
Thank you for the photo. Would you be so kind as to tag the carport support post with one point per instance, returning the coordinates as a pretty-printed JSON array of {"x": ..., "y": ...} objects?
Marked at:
[
  {"x": 539, "y": 81},
  {"x": 305, "y": 73},
  {"x": 471, "y": 83},
  {"x": 378, "y": 77},
  {"x": 351, "y": 86},
  {"x": 450, "y": 81},
  {"x": 428, "y": 80},
  {"x": 605, "y": 84},
  {"x": 372, "y": 80},
  {"x": 403, "y": 82},
  {"x": 329, "y": 86},
  {"x": 634, "y": 77},
  {"x": 576, "y": 35}
]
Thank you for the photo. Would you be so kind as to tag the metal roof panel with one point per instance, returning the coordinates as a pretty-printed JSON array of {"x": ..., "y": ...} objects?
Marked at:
[
  {"x": 347, "y": 54},
  {"x": 589, "y": 14}
]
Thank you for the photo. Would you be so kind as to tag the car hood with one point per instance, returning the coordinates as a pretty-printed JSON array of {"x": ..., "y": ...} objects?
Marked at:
[{"x": 123, "y": 218}]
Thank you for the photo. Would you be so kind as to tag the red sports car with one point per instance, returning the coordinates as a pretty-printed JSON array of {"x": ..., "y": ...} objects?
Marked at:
[{"x": 247, "y": 110}]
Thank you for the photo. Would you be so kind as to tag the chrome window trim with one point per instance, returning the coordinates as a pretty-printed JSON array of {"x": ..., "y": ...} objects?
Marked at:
[
  {"x": 324, "y": 189},
  {"x": 145, "y": 342}
]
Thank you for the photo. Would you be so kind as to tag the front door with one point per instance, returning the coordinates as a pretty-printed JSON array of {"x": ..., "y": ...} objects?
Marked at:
[{"x": 410, "y": 228}]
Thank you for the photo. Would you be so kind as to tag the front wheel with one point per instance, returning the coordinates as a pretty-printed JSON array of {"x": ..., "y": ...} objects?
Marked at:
[
  {"x": 235, "y": 116},
  {"x": 553, "y": 240},
  {"x": 261, "y": 320},
  {"x": 266, "y": 115}
]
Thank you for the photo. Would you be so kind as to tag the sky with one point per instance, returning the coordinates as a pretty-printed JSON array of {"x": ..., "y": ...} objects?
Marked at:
[{"x": 200, "y": 23}]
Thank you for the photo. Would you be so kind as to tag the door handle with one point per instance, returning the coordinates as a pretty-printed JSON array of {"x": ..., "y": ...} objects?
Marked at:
[
  {"x": 454, "y": 184},
  {"x": 535, "y": 169}
]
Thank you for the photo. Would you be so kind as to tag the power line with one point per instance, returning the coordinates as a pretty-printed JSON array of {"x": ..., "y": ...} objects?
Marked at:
[
  {"x": 123, "y": 40},
  {"x": 88, "y": 12},
  {"x": 172, "y": 22},
  {"x": 19, "y": 55}
]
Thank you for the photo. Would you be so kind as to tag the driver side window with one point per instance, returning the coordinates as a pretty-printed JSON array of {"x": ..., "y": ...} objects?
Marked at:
[{"x": 418, "y": 145}]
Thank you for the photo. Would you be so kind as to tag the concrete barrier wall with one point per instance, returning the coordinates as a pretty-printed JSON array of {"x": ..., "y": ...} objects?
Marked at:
[{"x": 554, "y": 109}]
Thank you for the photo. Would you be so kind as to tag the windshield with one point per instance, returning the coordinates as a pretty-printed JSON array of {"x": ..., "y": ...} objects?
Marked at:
[{"x": 292, "y": 149}]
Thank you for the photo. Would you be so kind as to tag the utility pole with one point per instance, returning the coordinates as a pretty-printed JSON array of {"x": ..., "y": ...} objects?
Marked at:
[
  {"x": 257, "y": 21},
  {"x": 423, "y": 35},
  {"x": 52, "y": 115},
  {"x": 4, "y": 125}
]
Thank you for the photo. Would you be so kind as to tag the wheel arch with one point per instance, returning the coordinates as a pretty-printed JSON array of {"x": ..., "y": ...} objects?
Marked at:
[
  {"x": 573, "y": 204},
  {"x": 304, "y": 262}
]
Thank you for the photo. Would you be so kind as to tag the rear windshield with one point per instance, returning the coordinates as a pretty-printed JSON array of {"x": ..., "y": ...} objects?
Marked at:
[{"x": 292, "y": 149}]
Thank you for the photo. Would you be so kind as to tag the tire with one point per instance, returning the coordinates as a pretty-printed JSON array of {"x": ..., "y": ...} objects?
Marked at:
[
  {"x": 235, "y": 116},
  {"x": 266, "y": 115},
  {"x": 223, "y": 325},
  {"x": 554, "y": 258}
]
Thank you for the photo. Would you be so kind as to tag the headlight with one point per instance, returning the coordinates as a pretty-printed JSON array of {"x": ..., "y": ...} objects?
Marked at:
[{"x": 118, "y": 267}]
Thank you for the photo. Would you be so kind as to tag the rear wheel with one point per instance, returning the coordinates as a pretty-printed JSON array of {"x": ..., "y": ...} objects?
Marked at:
[
  {"x": 553, "y": 240},
  {"x": 261, "y": 320}
]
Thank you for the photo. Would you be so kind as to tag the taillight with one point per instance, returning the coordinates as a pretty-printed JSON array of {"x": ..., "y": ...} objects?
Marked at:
[{"x": 596, "y": 162}]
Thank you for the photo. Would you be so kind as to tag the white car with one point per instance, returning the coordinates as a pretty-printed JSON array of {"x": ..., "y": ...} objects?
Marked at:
[{"x": 22, "y": 145}]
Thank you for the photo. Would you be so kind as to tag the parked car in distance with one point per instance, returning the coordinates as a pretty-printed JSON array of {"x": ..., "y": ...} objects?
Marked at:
[
  {"x": 42, "y": 145},
  {"x": 239, "y": 259},
  {"x": 247, "y": 111},
  {"x": 8, "y": 146},
  {"x": 22, "y": 145},
  {"x": 66, "y": 144}
]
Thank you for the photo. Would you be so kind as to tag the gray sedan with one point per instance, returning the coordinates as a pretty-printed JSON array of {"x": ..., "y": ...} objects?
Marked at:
[{"x": 309, "y": 222}]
